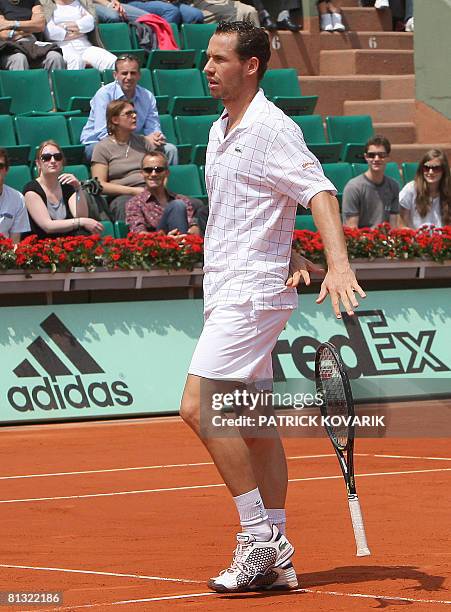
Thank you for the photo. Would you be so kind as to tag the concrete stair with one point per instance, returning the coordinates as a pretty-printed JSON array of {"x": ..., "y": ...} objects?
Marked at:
[
  {"x": 365, "y": 40},
  {"x": 364, "y": 61},
  {"x": 369, "y": 69},
  {"x": 382, "y": 111},
  {"x": 359, "y": 19},
  {"x": 397, "y": 133}
]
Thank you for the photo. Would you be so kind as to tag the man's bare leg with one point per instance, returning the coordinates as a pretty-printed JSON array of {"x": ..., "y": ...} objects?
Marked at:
[{"x": 243, "y": 464}]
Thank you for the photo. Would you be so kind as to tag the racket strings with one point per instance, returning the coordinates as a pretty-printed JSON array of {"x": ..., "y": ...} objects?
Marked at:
[{"x": 334, "y": 397}]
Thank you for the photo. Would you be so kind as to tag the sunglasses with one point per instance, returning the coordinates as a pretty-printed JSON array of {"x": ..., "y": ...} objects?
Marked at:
[
  {"x": 157, "y": 169},
  {"x": 374, "y": 155},
  {"x": 46, "y": 157},
  {"x": 434, "y": 169},
  {"x": 130, "y": 113}
]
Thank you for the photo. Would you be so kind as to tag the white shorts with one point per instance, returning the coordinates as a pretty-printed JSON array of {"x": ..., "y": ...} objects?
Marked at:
[{"x": 236, "y": 343}]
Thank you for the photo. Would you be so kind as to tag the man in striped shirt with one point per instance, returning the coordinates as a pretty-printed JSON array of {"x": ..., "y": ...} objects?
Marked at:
[{"x": 258, "y": 169}]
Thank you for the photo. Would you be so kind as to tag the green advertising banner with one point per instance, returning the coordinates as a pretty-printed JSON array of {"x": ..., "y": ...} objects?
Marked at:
[{"x": 120, "y": 359}]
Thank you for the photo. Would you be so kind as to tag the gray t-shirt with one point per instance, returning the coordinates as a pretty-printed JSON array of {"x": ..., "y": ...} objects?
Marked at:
[
  {"x": 372, "y": 203},
  {"x": 13, "y": 214},
  {"x": 123, "y": 159}
]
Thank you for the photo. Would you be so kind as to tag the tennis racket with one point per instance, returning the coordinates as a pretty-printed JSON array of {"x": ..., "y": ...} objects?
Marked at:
[{"x": 332, "y": 383}]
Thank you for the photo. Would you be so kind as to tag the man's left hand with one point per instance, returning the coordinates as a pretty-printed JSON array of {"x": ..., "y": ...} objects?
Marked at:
[
  {"x": 341, "y": 285},
  {"x": 299, "y": 269}
]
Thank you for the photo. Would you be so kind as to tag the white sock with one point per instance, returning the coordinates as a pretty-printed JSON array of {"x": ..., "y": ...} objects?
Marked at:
[
  {"x": 326, "y": 21},
  {"x": 283, "y": 15},
  {"x": 253, "y": 516},
  {"x": 278, "y": 517}
]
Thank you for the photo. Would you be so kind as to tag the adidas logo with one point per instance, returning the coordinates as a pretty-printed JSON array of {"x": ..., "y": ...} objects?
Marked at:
[
  {"x": 51, "y": 395},
  {"x": 283, "y": 545}
]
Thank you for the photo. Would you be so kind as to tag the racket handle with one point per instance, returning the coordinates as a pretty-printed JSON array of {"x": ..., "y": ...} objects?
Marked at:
[{"x": 357, "y": 525}]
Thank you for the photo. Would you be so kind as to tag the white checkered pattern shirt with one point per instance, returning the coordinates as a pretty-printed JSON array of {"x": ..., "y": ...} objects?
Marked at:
[{"x": 255, "y": 177}]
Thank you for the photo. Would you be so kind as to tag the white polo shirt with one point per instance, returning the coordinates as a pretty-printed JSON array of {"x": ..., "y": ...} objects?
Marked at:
[
  {"x": 13, "y": 213},
  {"x": 255, "y": 177}
]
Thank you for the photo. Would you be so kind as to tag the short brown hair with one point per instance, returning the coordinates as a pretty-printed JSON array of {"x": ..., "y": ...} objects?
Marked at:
[
  {"x": 379, "y": 141},
  {"x": 114, "y": 109},
  {"x": 252, "y": 42}
]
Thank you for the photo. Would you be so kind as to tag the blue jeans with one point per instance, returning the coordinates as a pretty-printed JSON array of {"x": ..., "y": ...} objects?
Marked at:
[
  {"x": 174, "y": 217},
  {"x": 108, "y": 15},
  {"x": 171, "y": 11}
]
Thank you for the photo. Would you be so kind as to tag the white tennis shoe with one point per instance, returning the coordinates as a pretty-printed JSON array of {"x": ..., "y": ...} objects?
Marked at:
[
  {"x": 278, "y": 579},
  {"x": 251, "y": 561}
]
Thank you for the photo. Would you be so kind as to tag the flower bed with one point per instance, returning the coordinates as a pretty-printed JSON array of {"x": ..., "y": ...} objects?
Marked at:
[
  {"x": 149, "y": 251},
  {"x": 382, "y": 242}
]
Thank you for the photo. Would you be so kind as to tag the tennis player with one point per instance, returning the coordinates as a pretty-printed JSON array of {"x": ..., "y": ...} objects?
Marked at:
[{"x": 257, "y": 169}]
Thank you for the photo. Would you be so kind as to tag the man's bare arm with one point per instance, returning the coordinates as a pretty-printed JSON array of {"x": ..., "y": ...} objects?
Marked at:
[
  {"x": 352, "y": 221},
  {"x": 29, "y": 26},
  {"x": 340, "y": 281}
]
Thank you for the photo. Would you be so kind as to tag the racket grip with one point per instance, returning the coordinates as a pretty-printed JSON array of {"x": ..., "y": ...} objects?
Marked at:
[{"x": 357, "y": 525}]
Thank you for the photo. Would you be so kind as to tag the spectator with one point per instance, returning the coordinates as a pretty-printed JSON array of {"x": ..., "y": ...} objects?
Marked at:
[
  {"x": 116, "y": 160},
  {"x": 13, "y": 213},
  {"x": 19, "y": 47},
  {"x": 174, "y": 11},
  {"x": 156, "y": 208},
  {"x": 330, "y": 16},
  {"x": 115, "y": 11},
  {"x": 284, "y": 19},
  {"x": 372, "y": 198},
  {"x": 55, "y": 202},
  {"x": 71, "y": 25},
  {"x": 125, "y": 87},
  {"x": 427, "y": 199},
  {"x": 227, "y": 10}
]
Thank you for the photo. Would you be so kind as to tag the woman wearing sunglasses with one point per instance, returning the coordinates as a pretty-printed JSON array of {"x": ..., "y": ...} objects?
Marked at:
[
  {"x": 116, "y": 159},
  {"x": 55, "y": 202},
  {"x": 427, "y": 199}
]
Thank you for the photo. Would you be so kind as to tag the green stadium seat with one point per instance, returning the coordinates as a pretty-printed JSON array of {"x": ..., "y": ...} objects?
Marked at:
[
  {"x": 17, "y": 177},
  {"x": 176, "y": 33},
  {"x": 185, "y": 179},
  {"x": 183, "y": 148},
  {"x": 339, "y": 174},
  {"x": 79, "y": 170},
  {"x": 197, "y": 35},
  {"x": 17, "y": 155},
  {"x": 5, "y": 105},
  {"x": 195, "y": 130},
  {"x": 121, "y": 229},
  {"x": 313, "y": 130},
  {"x": 202, "y": 178},
  {"x": 409, "y": 169},
  {"x": 116, "y": 38},
  {"x": 108, "y": 229},
  {"x": 171, "y": 60},
  {"x": 391, "y": 170},
  {"x": 73, "y": 89},
  {"x": 353, "y": 131},
  {"x": 305, "y": 222},
  {"x": 76, "y": 125},
  {"x": 29, "y": 90},
  {"x": 34, "y": 130},
  {"x": 185, "y": 86},
  {"x": 282, "y": 87}
]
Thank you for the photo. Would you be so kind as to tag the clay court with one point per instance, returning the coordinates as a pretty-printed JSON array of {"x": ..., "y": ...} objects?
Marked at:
[{"x": 132, "y": 515}]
